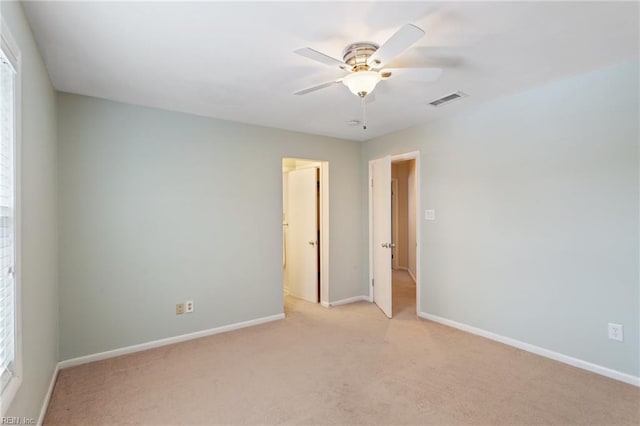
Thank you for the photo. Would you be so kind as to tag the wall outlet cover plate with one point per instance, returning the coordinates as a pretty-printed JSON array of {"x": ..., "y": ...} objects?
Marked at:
[{"x": 615, "y": 332}]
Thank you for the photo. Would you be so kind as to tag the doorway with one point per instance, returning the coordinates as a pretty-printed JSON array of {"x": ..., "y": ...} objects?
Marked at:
[
  {"x": 403, "y": 237},
  {"x": 305, "y": 230},
  {"x": 394, "y": 233}
]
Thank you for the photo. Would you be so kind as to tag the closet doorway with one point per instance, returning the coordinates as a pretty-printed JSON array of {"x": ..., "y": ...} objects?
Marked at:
[{"x": 305, "y": 229}]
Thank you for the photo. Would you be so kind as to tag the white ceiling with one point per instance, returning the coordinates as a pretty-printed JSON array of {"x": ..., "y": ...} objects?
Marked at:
[{"x": 234, "y": 61}]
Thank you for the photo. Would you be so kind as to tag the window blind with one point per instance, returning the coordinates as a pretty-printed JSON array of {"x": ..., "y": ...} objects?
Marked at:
[{"x": 7, "y": 229}]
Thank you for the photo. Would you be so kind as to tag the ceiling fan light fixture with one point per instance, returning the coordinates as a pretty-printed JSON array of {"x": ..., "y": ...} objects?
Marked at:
[{"x": 362, "y": 83}]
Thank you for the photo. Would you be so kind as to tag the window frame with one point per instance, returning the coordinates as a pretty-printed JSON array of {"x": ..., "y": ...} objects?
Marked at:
[{"x": 10, "y": 49}]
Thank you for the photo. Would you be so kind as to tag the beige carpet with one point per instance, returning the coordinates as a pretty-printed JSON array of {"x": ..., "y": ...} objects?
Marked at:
[{"x": 344, "y": 365}]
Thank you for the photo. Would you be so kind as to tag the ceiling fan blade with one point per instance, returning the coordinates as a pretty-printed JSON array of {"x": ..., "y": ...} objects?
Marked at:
[
  {"x": 398, "y": 43},
  {"x": 423, "y": 75},
  {"x": 318, "y": 87},
  {"x": 310, "y": 53}
]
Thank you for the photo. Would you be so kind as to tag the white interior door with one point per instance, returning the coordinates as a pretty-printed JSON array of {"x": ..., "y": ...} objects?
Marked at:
[
  {"x": 302, "y": 250},
  {"x": 381, "y": 233}
]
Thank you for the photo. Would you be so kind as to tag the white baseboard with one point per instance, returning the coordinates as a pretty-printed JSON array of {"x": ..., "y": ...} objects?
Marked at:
[
  {"x": 325, "y": 304},
  {"x": 349, "y": 300},
  {"x": 47, "y": 397},
  {"x": 168, "y": 341},
  {"x": 585, "y": 365}
]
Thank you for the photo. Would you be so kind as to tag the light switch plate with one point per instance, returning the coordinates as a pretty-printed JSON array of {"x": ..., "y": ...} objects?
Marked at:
[{"x": 429, "y": 215}]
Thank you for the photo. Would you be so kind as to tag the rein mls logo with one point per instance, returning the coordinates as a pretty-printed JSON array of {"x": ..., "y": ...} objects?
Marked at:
[{"x": 18, "y": 421}]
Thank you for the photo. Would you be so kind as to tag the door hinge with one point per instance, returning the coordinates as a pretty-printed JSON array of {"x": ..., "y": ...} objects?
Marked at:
[
  {"x": 373, "y": 282},
  {"x": 372, "y": 183}
]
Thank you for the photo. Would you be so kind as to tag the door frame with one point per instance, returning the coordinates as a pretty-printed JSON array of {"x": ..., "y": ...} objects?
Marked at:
[
  {"x": 394, "y": 221},
  {"x": 413, "y": 155},
  {"x": 323, "y": 166}
]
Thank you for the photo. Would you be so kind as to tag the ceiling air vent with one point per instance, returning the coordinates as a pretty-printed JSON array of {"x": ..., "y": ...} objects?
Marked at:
[{"x": 448, "y": 99}]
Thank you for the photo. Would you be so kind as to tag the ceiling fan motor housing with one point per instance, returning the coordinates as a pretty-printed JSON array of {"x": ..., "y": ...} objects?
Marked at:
[{"x": 357, "y": 54}]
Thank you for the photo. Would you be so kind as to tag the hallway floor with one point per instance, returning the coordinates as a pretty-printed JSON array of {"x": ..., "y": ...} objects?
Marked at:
[{"x": 403, "y": 295}]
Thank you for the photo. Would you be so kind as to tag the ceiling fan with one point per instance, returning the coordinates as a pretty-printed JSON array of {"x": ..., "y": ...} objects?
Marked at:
[{"x": 364, "y": 61}]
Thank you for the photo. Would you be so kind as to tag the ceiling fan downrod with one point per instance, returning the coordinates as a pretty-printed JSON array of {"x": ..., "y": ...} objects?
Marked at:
[{"x": 364, "y": 113}]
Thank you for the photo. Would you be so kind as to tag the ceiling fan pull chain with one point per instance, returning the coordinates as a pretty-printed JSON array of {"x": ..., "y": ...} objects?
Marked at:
[{"x": 364, "y": 114}]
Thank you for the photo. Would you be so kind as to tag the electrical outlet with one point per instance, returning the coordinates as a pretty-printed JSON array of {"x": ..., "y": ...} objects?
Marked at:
[
  {"x": 188, "y": 306},
  {"x": 615, "y": 332},
  {"x": 179, "y": 308}
]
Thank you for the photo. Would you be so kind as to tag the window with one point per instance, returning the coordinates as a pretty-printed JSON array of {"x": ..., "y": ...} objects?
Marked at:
[{"x": 10, "y": 374}]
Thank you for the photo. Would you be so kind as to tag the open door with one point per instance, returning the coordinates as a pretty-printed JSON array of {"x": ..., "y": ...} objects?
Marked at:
[
  {"x": 380, "y": 173},
  {"x": 302, "y": 233}
]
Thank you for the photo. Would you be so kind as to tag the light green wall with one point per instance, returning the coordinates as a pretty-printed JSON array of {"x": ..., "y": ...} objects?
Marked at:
[
  {"x": 158, "y": 207},
  {"x": 536, "y": 231},
  {"x": 39, "y": 221}
]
